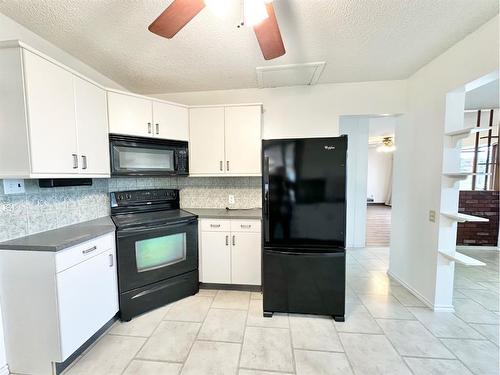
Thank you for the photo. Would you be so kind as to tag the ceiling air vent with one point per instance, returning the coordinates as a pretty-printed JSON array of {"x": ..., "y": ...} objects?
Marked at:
[{"x": 289, "y": 75}]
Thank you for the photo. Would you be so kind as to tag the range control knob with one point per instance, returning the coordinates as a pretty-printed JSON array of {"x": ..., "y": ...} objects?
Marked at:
[
  {"x": 128, "y": 196},
  {"x": 120, "y": 197}
]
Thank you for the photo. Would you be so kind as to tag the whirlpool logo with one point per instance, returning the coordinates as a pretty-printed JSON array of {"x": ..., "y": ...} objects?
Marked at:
[{"x": 329, "y": 148}]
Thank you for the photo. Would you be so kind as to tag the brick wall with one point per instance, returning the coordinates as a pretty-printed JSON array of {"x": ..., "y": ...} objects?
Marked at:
[{"x": 479, "y": 203}]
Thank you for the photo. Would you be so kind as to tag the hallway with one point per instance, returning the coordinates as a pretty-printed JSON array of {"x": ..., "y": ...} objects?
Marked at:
[{"x": 378, "y": 225}]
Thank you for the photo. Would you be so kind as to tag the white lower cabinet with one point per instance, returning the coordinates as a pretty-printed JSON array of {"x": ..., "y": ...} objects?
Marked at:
[
  {"x": 87, "y": 299},
  {"x": 53, "y": 302},
  {"x": 245, "y": 258},
  {"x": 230, "y": 252},
  {"x": 216, "y": 257}
]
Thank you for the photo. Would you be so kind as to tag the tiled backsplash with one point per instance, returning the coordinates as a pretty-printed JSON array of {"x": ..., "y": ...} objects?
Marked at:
[{"x": 42, "y": 209}]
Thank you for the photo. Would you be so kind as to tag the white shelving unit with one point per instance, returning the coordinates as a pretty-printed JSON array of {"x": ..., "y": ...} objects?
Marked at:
[
  {"x": 463, "y": 218},
  {"x": 462, "y": 175},
  {"x": 457, "y": 135},
  {"x": 461, "y": 258}
]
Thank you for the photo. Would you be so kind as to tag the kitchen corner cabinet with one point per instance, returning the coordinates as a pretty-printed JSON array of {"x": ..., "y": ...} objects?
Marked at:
[
  {"x": 53, "y": 302},
  {"x": 230, "y": 251},
  {"x": 225, "y": 140},
  {"x": 53, "y": 122},
  {"x": 140, "y": 116}
]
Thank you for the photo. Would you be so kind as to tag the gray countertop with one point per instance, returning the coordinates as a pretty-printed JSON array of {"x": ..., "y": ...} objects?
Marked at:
[
  {"x": 61, "y": 238},
  {"x": 216, "y": 213}
]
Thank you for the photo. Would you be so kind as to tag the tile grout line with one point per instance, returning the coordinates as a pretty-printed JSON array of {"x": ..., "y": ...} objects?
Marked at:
[
  {"x": 197, "y": 333},
  {"x": 244, "y": 333},
  {"x": 343, "y": 347},
  {"x": 134, "y": 357}
]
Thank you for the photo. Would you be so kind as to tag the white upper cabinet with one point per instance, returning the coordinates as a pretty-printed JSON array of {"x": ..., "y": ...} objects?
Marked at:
[
  {"x": 170, "y": 121},
  {"x": 225, "y": 140},
  {"x": 130, "y": 115},
  {"x": 51, "y": 113},
  {"x": 143, "y": 117},
  {"x": 206, "y": 141},
  {"x": 243, "y": 139},
  {"x": 53, "y": 123},
  {"x": 92, "y": 127}
]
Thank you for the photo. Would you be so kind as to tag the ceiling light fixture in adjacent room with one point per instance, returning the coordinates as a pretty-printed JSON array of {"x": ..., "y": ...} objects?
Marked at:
[{"x": 387, "y": 145}]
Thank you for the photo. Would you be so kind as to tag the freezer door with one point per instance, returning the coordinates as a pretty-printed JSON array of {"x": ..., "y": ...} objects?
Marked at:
[
  {"x": 304, "y": 283},
  {"x": 304, "y": 187}
]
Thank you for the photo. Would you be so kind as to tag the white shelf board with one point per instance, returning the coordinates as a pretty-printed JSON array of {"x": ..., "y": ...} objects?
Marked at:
[
  {"x": 462, "y": 259},
  {"x": 462, "y": 175},
  {"x": 462, "y": 218},
  {"x": 463, "y": 133}
]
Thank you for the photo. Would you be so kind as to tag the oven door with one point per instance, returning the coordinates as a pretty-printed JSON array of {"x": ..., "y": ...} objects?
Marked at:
[{"x": 148, "y": 255}]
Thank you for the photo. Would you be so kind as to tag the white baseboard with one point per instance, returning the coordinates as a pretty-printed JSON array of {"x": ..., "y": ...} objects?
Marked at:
[
  {"x": 4, "y": 370},
  {"x": 411, "y": 290},
  {"x": 444, "y": 308},
  {"x": 488, "y": 248}
]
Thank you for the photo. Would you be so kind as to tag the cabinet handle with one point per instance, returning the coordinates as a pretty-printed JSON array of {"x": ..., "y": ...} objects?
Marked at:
[
  {"x": 75, "y": 161},
  {"x": 89, "y": 250},
  {"x": 214, "y": 225},
  {"x": 227, "y": 240},
  {"x": 84, "y": 162},
  {"x": 111, "y": 260},
  {"x": 149, "y": 128},
  {"x": 246, "y": 226},
  {"x": 221, "y": 165},
  {"x": 234, "y": 240},
  {"x": 228, "y": 165},
  {"x": 157, "y": 128}
]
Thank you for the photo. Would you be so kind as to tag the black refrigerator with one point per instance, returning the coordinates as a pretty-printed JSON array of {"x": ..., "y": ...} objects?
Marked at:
[{"x": 304, "y": 220}]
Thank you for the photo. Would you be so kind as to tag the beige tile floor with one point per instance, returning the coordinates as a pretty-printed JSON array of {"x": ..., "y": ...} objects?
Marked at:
[{"x": 387, "y": 331}]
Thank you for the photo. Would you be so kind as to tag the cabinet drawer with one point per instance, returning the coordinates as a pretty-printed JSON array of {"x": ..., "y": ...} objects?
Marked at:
[
  {"x": 245, "y": 225},
  {"x": 77, "y": 254},
  {"x": 214, "y": 225}
]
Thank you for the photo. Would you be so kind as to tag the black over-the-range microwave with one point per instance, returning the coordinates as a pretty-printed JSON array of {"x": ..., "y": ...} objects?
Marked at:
[{"x": 141, "y": 156}]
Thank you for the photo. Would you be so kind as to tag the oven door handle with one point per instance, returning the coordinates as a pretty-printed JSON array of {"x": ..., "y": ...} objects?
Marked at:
[{"x": 144, "y": 229}]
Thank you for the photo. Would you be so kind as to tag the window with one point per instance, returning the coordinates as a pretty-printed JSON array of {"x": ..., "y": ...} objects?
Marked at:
[{"x": 479, "y": 153}]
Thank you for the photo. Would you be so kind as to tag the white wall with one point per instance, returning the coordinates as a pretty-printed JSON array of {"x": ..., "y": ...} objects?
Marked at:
[
  {"x": 10, "y": 30},
  {"x": 418, "y": 159},
  {"x": 307, "y": 111},
  {"x": 379, "y": 173},
  {"x": 356, "y": 129}
]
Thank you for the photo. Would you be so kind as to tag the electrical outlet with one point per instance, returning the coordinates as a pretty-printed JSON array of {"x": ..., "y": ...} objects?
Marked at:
[
  {"x": 231, "y": 199},
  {"x": 432, "y": 216},
  {"x": 13, "y": 186}
]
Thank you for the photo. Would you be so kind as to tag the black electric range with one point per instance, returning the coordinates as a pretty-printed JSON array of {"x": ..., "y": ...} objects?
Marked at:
[{"x": 156, "y": 249}]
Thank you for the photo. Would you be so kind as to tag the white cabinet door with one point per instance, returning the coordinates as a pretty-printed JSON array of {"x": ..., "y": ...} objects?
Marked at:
[
  {"x": 51, "y": 113},
  {"x": 246, "y": 258},
  {"x": 216, "y": 257},
  {"x": 87, "y": 299},
  {"x": 243, "y": 139},
  {"x": 206, "y": 141},
  {"x": 170, "y": 121},
  {"x": 130, "y": 115},
  {"x": 92, "y": 128}
]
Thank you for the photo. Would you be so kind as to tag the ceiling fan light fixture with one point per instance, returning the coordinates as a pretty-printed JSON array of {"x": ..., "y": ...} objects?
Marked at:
[
  {"x": 387, "y": 145},
  {"x": 255, "y": 12}
]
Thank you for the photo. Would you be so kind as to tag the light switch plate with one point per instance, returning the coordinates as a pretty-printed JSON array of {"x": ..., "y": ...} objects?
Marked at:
[
  {"x": 432, "y": 216},
  {"x": 231, "y": 199},
  {"x": 13, "y": 186}
]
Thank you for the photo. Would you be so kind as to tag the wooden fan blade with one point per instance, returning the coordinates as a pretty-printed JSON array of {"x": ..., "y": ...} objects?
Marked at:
[
  {"x": 175, "y": 17},
  {"x": 269, "y": 36}
]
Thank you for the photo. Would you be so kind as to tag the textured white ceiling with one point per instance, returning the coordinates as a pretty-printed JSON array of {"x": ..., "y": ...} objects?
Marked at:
[{"x": 361, "y": 40}]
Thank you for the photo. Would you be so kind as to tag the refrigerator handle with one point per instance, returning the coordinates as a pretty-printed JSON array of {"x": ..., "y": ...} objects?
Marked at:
[{"x": 266, "y": 199}]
